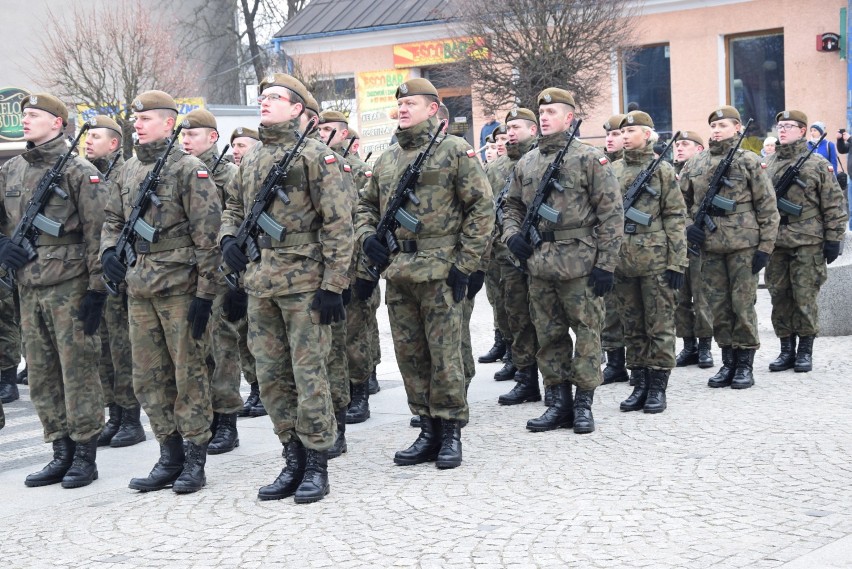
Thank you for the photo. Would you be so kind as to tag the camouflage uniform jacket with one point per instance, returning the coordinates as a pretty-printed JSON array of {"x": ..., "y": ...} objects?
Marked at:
[
  {"x": 500, "y": 176},
  {"x": 102, "y": 164},
  {"x": 823, "y": 201},
  {"x": 757, "y": 224},
  {"x": 456, "y": 207},
  {"x": 223, "y": 173},
  {"x": 81, "y": 215},
  {"x": 357, "y": 168},
  {"x": 662, "y": 245},
  {"x": 190, "y": 215},
  {"x": 592, "y": 200},
  {"x": 356, "y": 178},
  {"x": 320, "y": 204}
]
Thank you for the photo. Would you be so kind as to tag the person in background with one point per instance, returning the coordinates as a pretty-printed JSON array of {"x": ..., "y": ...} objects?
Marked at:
[
  {"x": 489, "y": 126},
  {"x": 843, "y": 148},
  {"x": 826, "y": 148},
  {"x": 769, "y": 146}
]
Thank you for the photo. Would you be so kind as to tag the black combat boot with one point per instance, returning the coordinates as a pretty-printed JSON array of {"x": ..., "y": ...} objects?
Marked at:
[
  {"x": 291, "y": 475},
  {"x": 83, "y": 469},
  {"x": 373, "y": 382},
  {"x": 743, "y": 377},
  {"x": 8, "y": 387},
  {"x": 658, "y": 382},
  {"x": 359, "y": 405},
  {"x": 526, "y": 389},
  {"x": 225, "y": 439},
  {"x": 414, "y": 422},
  {"x": 192, "y": 478},
  {"x": 314, "y": 486},
  {"x": 425, "y": 448},
  {"x": 787, "y": 358},
  {"x": 635, "y": 375},
  {"x": 508, "y": 370},
  {"x": 804, "y": 355},
  {"x": 705, "y": 353},
  {"x": 258, "y": 410},
  {"x": 560, "y": 415},
  {"x": 23, "y": 377},
  {"x": 339, "y": 446},
  {"x": 548, "y": 395},
  {"x": 497, "y": 350},
  {"x": 112, "y": 425},
  {"x": 688, "y": 356},
  {"x": 167, "y": 469},
  {"x": 63, "y": 456},
  {"x": 131, "y": 431},
  {"x": 637, "y": 399},
  {"x": 726, "y": 373},
  {"x": 615, "y": 371},
  {"x": 450, "y": 455},
  {"x": 252, "y": 400},
  {"x": 584, "y": 422}
]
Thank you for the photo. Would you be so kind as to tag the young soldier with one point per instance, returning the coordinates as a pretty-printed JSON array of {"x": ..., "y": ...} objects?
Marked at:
[
  {"x": 170, "y": 293},
  {"x": 805, "y": 242},
  {"x": 295, "y": 289},
  {"x": 61, "y": 292},
  {"x": 242, "y": 140},
  {"x": 428, "y": 278},
  {"x": 734, "y": 254},
  {"x": 574, "y": 266},
  {"x": 650, "y": 267}
]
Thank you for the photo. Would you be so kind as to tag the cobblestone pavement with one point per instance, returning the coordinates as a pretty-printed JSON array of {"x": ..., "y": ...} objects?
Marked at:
[{"x": 757, "y": 478}]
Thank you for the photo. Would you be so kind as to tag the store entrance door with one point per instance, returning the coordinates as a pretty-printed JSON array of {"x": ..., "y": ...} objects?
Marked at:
[{"x": 461, "y": 115}]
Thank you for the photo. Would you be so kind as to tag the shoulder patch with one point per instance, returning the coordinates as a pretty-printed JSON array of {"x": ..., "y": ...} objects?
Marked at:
[
  {"x": 329, "y": 159},
  {"x": 763, "y": 165},
  {"x": 830, "y": 168},
  {"x": 347, "y": 168},
  {"x": 94, "y": 179},
  {"x": 470, "y": 152},
  {"x": 202, "y": 174},
  {"x": 368, "y": 173},
  {"x": 603, "y": 160}
]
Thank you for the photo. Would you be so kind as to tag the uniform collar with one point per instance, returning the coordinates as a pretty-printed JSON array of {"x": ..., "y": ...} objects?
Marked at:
[
  {"x": 792, "y": 150},
  {"x": 280, "y": 133},
  {"x": 515, "y": 151},
  {"x": 553, "y": 143},
  {"x": 47, "y": 152},
  {"x": 639, "y": 155},
  {"x": 417, "y": 135},
  {"x": 718, "y": 147},
  {"x": 209, "y": 156},
  {"x": 149, "y": 152}
]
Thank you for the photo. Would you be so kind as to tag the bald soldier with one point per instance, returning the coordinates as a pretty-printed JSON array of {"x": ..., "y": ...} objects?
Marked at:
[{"x": 242, "y": 140}]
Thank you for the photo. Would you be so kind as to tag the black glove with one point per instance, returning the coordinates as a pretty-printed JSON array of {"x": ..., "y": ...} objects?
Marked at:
[
  {"x": 457, "y": 281},
  {"x": 364, "y": 288},
  {"x": 759, "y": 261},
  {"x": 91, "y": 310},
  {"x": 831, "y": 250},
  {"x": 199, "y": 314},
  {"x": 347, "y": 296},
  {"x": 475, "y": 282},
  {"x": 519, "y": 247},
  {"x": 675, "y": 279},
  {"x": 330, "y": 306},
  {"x": 235, "y": 305},
  {"x": 12, "y": 256},
  {"x": 375, "y": 251},
  {"x": 114, "y": 269},
  {"x": 695, "y": 234},
  {"x": 602, "y": 281},
  {"x": 233, "y": 255}
]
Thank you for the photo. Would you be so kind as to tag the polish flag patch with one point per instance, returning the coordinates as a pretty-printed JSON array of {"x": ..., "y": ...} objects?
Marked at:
[
  {"x": 830, "y": 168},
  {"x": 94, "y": 179},
  {"x": 347, "y": 168},
  {"x": 763, "y": 165},
  {"x": 471, "y": 153},
  {"x": 368, "y": 173},
  {"x": 330, "y": 159},
  {"x": 603, "y": 160},
  {"x": 202, "y": 174}
]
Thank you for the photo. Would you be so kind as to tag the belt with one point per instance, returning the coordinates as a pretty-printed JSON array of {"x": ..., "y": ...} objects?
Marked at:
[
  {"x": 631, "y": 228},
  {"x": 69, "y": 239},
  {"x": 741, "y": 208},
  {"x": 143, "y": 247},
  {"x": 807, "y": 214},
  {"x": 566, "y": 234},
  {"x": 414, "y": 245},
  {"x": 291, "y": 240}
]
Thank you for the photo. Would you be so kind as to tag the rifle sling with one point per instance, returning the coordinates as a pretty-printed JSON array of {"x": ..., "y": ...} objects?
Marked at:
[
  {"x": 414, "y": 245},
  {"x": 143, "y": 247},
  {"x": 266, "y": 242},
  {"x": 567, "y": 234},
  {"x": 68, "y": 239}
]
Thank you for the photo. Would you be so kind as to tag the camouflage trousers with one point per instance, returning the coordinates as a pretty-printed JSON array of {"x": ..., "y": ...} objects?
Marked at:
[
  {"x": 290, "y": 349},
  {"x": 246, "y": 359},
  {"x": 468, "y": 365},
  {"x": 646, "y": 306},
  {"x": 224, "y": 344},
  {"x": 2, "y": 417},
  {"x": 10, "y": 330},
  {"x": 731, "y": 291},
  {"x": 692, "y": 317},
  {"x": 362, "y": 337},
  {"x": 516, "y": 299},
  {"x": 63, "y": 362},
  {"x": 556, "y": 308},
  {"x": 170, "y": 376},
  {"x": 794, "y": 277},
  {"x": 338, "y": 366},
  {"x": 494, "y": 293},
  {"x": 612, "y": 334},
  {"x": 427, "y": 335},
  {"x": 116, "y": 361}
]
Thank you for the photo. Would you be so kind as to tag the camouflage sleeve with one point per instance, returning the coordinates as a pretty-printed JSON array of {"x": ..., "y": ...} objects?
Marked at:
[
  {"x": 204, "y": 212},
  {"x": 232, "y": 213},
  {"x": 113, "y": 212},
  {"x": 514, "y": 209},
  {"x": 367, "y": 214},
  {"x": 763, "y": 200},
  {"x": 833, "y": 202},
  {"x": 605, "y": 198},
  {"x": 686, "y": 190},
  {"x": 90, "y": 198},
  {"x": 673, "y": 212},
  {"x": 474, "y": 193},
  {"x": 332, "y": 196}
]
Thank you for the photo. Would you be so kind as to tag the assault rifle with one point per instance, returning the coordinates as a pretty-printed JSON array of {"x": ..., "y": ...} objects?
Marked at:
[
  {"x": 112, "y": 164},
  {"x": 367, "y": 158},
  {"x": 135, "y": 226},
  {"x": 713, "y": 203},
  {"x": 330, "y": 136},
  {"x": 33, "y": 222},
  {"x": 395, "y": 215},
  {"x": 790, "y": 177},
  {"x": 257, "y": 220},
  {"x": 219, "y": 159},
  {"x": 504, "y": 194},
  {"x": 349, "y": 147},
  {"x": 637, "y": 187}
]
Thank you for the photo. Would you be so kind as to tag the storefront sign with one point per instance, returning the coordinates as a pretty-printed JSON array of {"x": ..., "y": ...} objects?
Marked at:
[
  {"x": 437, "y": 52},
  {"x": 377, "y": 118},
  {"x": 10, "y": 114}
]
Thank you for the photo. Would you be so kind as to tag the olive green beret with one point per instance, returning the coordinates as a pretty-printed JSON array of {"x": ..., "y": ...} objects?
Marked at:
[
  {"x": 613, "y": 122},
  {"x": 691, "y": 135},
  {"x": 417, "y": 86},
  {"x": 797, "y": 116},
  {"x": 636, "y": 118},
  {"x": 47, "y": 103},
  {"x": 103, "y": 121},
  {"x": 286, "y": 81},
  {"x": 333, "y": 116},
  {"x": 726, "y": 112},
  {"x": 556, "y": 95},
  {"x": 311, "y": 104},
  {"x": 354, "y": 134},
  {"x": 150, "y": 100},
  {"x": 490, "y": 138},
  {"x": 199, "y": 118},
  {"x": 499, "y": 129},
  {"x": 521, "y": 113},
  {"x": 243, "y": 131}
]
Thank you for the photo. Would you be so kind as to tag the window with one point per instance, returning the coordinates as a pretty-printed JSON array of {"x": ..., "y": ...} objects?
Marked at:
[
  {"x": 756, "y": 77},
  {"x": 647, "y": 84}
]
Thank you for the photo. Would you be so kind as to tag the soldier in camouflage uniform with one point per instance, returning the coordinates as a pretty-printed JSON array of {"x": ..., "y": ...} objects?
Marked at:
[
  {"x": 62, "y": 294},
  {"x": 200, "y": 139},
  {"x": 574, "y": 266},
  {"x": 242, "y": 140},
  {"x": 650, "y": 268},
  {"x": 295, "y": 290},
  {"x": 170, "y": 292},
  {"x": 805, "y": 243},
  {"x": 427, "y": 280},
  {"x": 10, "y": 340},
  {"x": 734, "y": 254}
]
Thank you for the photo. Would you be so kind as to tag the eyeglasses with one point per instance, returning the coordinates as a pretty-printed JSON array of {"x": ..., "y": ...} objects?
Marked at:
[
  {"x": 272, "y": 97},
  {"x": 780, "y": 127}
]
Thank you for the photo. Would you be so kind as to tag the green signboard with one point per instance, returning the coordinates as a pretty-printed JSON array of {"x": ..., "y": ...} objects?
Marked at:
[{"x": 10, "y": 113}]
